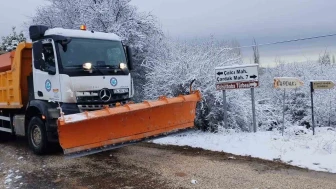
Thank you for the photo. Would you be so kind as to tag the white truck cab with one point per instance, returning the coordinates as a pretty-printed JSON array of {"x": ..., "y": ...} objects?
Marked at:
[{"x": 82, "y": 70}]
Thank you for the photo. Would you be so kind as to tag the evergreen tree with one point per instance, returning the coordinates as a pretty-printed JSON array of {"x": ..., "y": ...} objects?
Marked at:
[{"x": 11, "y": 41}]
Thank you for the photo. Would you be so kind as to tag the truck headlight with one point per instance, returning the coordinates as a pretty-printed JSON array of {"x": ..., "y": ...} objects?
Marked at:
[
  {"x": 87, "y": 66},
  {"x": 122, "y": 66},
  {"x": 120, "y": 91}
]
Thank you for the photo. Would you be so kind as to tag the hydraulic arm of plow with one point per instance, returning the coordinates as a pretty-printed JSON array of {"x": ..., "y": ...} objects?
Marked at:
[{"x": 92, "y": 132}]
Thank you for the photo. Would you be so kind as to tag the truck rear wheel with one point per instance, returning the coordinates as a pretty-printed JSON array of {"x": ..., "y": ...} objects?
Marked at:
[{"x": 37, "y": 136}]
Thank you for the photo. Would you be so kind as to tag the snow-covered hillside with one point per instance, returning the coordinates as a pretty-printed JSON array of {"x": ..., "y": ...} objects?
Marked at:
[{"x": 298, "y": 146}]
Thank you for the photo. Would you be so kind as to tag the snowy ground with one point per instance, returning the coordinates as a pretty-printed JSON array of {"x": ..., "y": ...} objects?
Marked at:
[
  {"x": 296, "y": 148},
  {"x": 10, "y": 176}
]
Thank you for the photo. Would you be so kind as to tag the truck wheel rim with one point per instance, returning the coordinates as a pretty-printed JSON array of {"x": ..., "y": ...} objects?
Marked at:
[{"x": 36, "y": 136}]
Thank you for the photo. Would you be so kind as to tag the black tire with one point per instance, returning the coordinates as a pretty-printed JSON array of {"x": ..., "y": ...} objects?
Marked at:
[{"x": 37, "y": 136}]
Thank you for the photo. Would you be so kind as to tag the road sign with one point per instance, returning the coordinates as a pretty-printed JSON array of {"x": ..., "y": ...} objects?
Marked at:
[
  {"x": 287, "y": 83},
  {"x": 239, "y": 73},
  {"x": 323, "y": 84},
  {"x": 238, "y": 85},
  {"x": 238, "y": 77}
]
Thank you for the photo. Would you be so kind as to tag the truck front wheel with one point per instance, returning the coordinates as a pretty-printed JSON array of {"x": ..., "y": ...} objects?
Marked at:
[{"x": 37, "y": 136}]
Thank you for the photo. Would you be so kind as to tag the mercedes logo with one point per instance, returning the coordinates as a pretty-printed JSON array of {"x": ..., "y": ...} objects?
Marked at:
[{"x": 105, "y": 95}]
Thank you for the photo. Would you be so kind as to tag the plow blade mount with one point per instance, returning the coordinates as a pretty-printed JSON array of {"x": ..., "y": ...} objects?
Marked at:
[{"x": 91, "y": 132}]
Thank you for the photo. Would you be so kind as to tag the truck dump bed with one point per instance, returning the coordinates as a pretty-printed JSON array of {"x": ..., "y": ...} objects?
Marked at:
[{"x": 15, "y": 67}]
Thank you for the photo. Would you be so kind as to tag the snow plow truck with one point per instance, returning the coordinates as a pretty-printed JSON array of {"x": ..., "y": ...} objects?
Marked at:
[{"x": 75, "y": 88}]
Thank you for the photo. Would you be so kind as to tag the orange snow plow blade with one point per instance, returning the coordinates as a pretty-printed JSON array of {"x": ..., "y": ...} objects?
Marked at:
[{"x": 95, "y": 131}]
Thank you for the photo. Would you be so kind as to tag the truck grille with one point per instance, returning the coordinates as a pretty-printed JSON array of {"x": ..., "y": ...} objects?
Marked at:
[
  {"x": 90, "y": 100},
  {"x": 93, "y": 97},
  {"x": 92, "y": 107}
]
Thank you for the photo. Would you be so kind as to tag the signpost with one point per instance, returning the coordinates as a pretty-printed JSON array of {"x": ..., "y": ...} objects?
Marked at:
[
  {"x": 286, "y": 83},
  {"x": 318, "y": 85},
  {"x": 238, "y": 77}
]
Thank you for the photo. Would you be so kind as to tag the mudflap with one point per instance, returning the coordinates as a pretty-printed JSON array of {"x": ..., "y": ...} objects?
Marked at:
[{"x": 92, "y": 132}]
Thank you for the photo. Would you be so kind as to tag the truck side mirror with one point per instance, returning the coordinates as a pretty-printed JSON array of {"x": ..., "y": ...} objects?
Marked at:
[
  {"x": 38, "y": 56},
  {"x": 129, "y": 58}
]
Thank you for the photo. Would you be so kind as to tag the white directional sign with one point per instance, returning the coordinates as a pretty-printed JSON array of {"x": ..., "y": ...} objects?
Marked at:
[
  {"x": 235, "y": 74},
  {"x": 287, "y": 83},
  {"x": 323, "y": 84}
]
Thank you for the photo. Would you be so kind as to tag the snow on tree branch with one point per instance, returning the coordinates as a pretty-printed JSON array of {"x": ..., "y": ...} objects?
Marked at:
[{"x": 11, "y": 41}]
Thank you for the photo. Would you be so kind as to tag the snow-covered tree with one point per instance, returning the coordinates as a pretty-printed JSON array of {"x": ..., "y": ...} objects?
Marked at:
[
  {"x": 139, "y": 30},
  {"x": 325, "y": 58},
  {"x": 11, "y": 41},
  {"x": 256, "y": 55}
]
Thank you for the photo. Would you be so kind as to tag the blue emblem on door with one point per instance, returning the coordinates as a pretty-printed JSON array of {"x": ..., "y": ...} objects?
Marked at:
[
  {"x": 48, "y": 85},
  {"x": 113, "y": 81}
]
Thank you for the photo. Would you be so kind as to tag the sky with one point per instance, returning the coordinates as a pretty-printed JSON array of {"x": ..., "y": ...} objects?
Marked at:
[
  {"x": 243, "y": 20},
  {"x": 15, "y": 12}
]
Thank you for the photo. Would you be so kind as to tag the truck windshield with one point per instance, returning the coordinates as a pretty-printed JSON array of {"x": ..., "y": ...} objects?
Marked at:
[{"x": 101, "y": 53}]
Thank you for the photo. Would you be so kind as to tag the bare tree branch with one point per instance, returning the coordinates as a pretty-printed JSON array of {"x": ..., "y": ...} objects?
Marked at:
[{"x": 256, "y": 56}]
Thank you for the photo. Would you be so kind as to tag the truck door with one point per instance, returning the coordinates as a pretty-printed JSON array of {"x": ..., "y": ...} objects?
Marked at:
[{"x": 47, "y": 82}]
